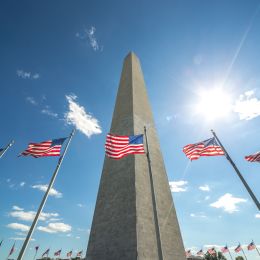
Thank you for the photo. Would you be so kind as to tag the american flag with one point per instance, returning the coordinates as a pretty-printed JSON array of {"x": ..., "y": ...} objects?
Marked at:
[
  {"x": 200, "y": 252},
  {"x": 238, "y": 248},
  {"x": 118, "y": 146},
  {"x": 79, "y": 253},
  {"x": 251, "y": 246},
  {"x": 208, "y": 147},
  {"x": 253, "y": 158},
  {"x": 46, "y": 252},
  {"x": 46, "y": 148},
  {"x": 212, "y": 251},
  {"x": 188, "y": 253},
  {"x": 224, "y": 249},
  {"x": 69, "y": 254},
  {"x": 57, "y": 253},
  {"x": 12, "y": 250}
]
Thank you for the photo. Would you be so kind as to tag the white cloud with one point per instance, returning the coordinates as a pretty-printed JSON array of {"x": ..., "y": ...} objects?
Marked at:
[
  {"x": 78, "y": 117},
  {"x": 22, "y": 183},
  {"x": 198, "y": 215},
  {"x": 43, "y": 187},
  {"x": 89, "y": 34},
  {"x": 29, "y": 215},
  {"x": 204, "y": 188},
  {"x": 16, "y": 208},
  {"x": 178, "y": 186},
  {"x": 27, "y": 75},
  {"x": 31, "y": 100},
  {"x": 92, "y": 38},
  {"x": 18, "y": 226},
  {"x": 247, "y": 106},
  {"x": 257, "y": 215},
  {"x": 80, "y": 205},
  {"x": 36, "y": 76},
  {"x": 55, "y": 228},
  {"x": 47, "y": 111},
  {"x": 20, "y": 238},
  {"x": 228, "y": 203},
  {"x": 207, "y": 197},
  {"x": 168, "y": 118},
  {"x": 77, "y": 237}
]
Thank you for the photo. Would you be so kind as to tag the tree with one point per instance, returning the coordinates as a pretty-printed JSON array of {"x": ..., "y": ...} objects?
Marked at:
[
  {"x": 239, "y": 258},
  {"x": 219, "y": 256}
]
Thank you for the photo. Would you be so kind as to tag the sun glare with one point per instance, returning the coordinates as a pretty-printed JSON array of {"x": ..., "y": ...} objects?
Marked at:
[{"x": 213, "y": 103}]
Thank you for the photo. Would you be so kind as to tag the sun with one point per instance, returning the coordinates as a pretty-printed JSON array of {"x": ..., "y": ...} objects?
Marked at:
[{"x": 213, "y": 103}]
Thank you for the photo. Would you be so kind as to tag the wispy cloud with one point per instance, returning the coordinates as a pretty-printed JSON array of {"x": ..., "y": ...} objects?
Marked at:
[
  {"x": 80, "y": 205},
  {"x": 18, "y": 226},
  {"x": 47, "y": 111},
  {"x": 90, "y": 35},
  {"x": 55, "y": 228},
  {"x": 178, "y": 186},
  {"x": 31, "y": 100},
  {"x": 78, "y": 117},
  {"x": 16, "y": 208},
  {"x": 27, "y": 75},
  {"x": 22, "y": 183},
  {"x": 198, "y": 215},
  {"x": 20, "y": 214},
  {"x": 228, "y": 203},
  {"x": 204, "y": 187},
  {"x": 20, "y": 238},
  {"x": 257, "y": 215},
  {"x": 247, "y": 106},
  {"x": 43, "y": 187}
]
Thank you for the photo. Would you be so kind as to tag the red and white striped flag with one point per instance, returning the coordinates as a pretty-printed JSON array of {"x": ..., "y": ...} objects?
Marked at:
[
  {"x": 238, "y": 248},
  {"x": 251, "y": 246},
  {"x": 79, "y": 253},
  {"x": 46, "y": 148},
  {"x": 46, "y": 252},
  {"x": 253, "y": 158},
  {"x": 57, "y": 253},
  {"x": 69, "y": 254},
  {"x": 200, "y": 252},
  {"x": 118, "y": 146},
  {"x": 212, "y": 251},
  {"x": 188, "y": 253},
  {"x": 224, "y": 249},
  {"x": 209, "y": 147}
]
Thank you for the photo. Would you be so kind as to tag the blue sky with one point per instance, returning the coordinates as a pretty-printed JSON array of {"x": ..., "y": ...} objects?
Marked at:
[{"x": 61, "y": 62}]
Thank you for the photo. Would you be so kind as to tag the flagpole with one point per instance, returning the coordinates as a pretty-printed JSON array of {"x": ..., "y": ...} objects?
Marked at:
[
  {"x": 230, "y": 254},
  {"x": 12, "y": 250},
  {"x": 157, "y": 228},
  {"x": 26, "y": 241},
  {"x": 6, "y": 148},
  {"x": 238, "y": 173},
  {"x": 256, "y": 248},
  {"x": 244, "y": 253}
]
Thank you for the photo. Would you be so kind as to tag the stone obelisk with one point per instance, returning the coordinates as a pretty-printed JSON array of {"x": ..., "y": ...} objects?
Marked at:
[{"x": 135, "y": 217}]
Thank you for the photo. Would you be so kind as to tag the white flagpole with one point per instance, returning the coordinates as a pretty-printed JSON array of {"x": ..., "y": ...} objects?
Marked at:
[
  {"x": 6, "y": 148},
  {"x": 157, "y": 228},
  {"x": 26, "y": 241},
  {"x": 238, "y": 172}
]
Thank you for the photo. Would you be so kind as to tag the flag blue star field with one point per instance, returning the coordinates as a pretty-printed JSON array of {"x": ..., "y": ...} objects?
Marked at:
[
  {"x": 253, "y": 157},
  {"x": 46, "y": 148},
  {"x": 208, "y": 147},
  {"x": 118, "y": 146}
]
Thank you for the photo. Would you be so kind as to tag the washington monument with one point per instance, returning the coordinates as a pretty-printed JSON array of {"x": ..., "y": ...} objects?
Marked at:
[{"x": 135, "y": 217}]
